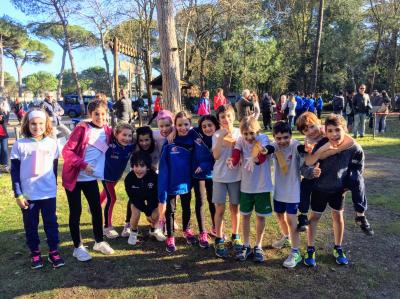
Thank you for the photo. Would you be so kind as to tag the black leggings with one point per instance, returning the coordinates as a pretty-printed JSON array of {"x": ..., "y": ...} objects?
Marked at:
[
  {"x": 170, "y": 212},
  {"x": 128, "y": 212},
  {"x": 203, "y": 191},
  {"x": 91, "y": 191},
  {"x": 153, "y": 117}
]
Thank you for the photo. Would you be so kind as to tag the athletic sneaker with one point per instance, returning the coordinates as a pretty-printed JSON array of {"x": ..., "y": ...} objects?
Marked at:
[
  {"x": 170, "y": 245},
  {"x": 158, "y": 234},
  {"x": 258, "y": 255},
  {"x": 364, "y": 225},
  {"x": 243, "y": 254},
  {"x": 237, "y": 244},
  {"x": 189, "y": 236},
  {"x": 55, "y": 259},
  {"x": 132, "y": 240},
  {"x": 126, "y": 231},
  {"x": 340, "y": 257},
  {"x": 81, "y": 254},
  {"x": 203, "y": 240},
  {"x": 292, "y": 260},
  {"x": 103, "y": 247},
  {"x": 282, "y": 242},
  {"x": 309, "y": 258},
  {"x": 36, "y": 260},
  {"x": 220, "y": 249},
  {"x": 303, "y": 223},
  {"x": 110, "y": 232}
]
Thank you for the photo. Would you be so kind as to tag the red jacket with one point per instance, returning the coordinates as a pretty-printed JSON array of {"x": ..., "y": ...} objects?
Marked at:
[
  {"x": 219, "y": 101},
  {"x": 74, "y": 155},
  {"x": 157, "y": 105}
]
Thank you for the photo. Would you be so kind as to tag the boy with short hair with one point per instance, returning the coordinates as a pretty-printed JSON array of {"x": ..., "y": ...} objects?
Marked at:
[{"x": 330, "y": 184}]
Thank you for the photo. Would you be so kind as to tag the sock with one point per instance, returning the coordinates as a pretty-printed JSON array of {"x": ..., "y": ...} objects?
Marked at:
[
  {"x": 311, "y": 248},
  {"x": 235, "y": 236},
  {"x": 338, "y": 247},
  {"x": 246, "y": 244}
]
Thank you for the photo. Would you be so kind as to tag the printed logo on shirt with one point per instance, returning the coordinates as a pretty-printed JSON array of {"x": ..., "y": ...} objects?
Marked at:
[
  {"x": 175, "y": 150},
  {"x": 289, "y": 158},
  {"x": 134, "y": 187},
  {"x": 198, "y": 141},
  {"x": 150, "y": 185}
]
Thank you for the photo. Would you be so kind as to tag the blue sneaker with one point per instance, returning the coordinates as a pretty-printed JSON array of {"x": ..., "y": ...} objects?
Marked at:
[
  {"x": 243, "y": 254},
  {"x": 220, "y": 249},
  {"x": 237, "y": 244},
  {"x": 340, "y": 257},
  {"x": 258, "y": 255},
  {"x": 309, "y": 258}
]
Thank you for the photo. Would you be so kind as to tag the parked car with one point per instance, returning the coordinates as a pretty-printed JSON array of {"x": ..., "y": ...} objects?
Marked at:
[{"x": 71, "y": 105}]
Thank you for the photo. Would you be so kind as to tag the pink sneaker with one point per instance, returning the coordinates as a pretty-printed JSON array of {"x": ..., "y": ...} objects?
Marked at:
[
  {"x": 189, "y": 236},
  {"x": 203, "y": 240},
  {"x": 170, "y": 245}
]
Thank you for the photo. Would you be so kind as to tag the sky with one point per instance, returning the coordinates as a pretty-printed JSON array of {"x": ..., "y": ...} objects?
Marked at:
[{"x": 84, "y": 58}]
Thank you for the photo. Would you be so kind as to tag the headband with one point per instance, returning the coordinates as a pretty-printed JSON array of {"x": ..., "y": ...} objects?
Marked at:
[
  {"x": 37, "y": 113},
  {"x": 165, "y": 114}
]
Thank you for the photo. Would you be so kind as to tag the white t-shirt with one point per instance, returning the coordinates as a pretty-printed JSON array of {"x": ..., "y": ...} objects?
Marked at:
[
  {"x": 36, "y": 171},
  {"x": 287, "y": 186},
  {"x": 221, "y": 172},
  {"x": 95, "y": 155},
  {"x": 259, "y": 180}
]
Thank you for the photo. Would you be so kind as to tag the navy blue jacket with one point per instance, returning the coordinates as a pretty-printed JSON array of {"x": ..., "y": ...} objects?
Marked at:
[
  {"x": 202, "y": 155},
  {"x": 117, "y": 157},
  {"x": 175, "y": 168}
]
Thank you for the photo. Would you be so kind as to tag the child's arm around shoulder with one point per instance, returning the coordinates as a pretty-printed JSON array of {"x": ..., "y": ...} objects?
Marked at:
[{"x": 74, "y": 141}]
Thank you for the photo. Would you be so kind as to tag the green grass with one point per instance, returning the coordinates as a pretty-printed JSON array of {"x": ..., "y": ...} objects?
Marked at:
[{"x": 147, "y": 271}]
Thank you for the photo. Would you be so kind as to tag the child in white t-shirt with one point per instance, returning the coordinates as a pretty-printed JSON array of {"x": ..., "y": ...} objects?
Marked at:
[
  {"x": 34, "y": 160},
  {"x": 225, "y": 180},
  {"x": 287, "y": 190},
  {"x": 255, "y": 186}
]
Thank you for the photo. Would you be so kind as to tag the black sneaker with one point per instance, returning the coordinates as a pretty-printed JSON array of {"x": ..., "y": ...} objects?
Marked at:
[
  {"x": 55, "y": 259},
  {"x": 303, "y": 223},
  {"x": 36, "y": 260},
  {"x": 364, "y": 225},
  {"x": 243, "y": 254}
]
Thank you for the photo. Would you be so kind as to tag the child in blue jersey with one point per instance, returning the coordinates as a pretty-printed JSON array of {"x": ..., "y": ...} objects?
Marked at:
[
  {"x": 203, "y": 163},
  {"x": 175, "y": 173},
  {"x": 145, "y": 143},
  {"x": 117, "y": 157},
  {"x": 34, "y": 161},
  {"x": 255, "y": 186}
]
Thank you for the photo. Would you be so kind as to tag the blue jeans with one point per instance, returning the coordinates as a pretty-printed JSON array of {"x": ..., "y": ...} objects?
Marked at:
[
  {"x": 4, "y": 151},
  {"x": 359, "y": 124},
  {"x": 31, "y": 223},
  {"x": 381, "y": 120}
]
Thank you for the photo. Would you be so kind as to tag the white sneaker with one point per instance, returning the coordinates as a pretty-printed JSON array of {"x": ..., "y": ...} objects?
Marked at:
[
  {"x": 284, "y": 241},
  {"x": 292, "y": 260},
  {"x": 82, "y": 254},
  {"x": 158, "y": 234},
  {"x": 103, "y": 247},
  {"x": 110, "y": 232},
  {"x": 126, "y": 231},
  {"x": 132, "y": 238}
]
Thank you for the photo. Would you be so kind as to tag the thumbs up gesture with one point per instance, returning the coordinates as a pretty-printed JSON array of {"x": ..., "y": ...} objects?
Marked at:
[{"x": 316, "y": 171}]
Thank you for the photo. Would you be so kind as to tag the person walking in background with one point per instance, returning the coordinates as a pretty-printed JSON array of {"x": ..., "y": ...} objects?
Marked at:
[
  {"x": 299, "y": 97},
  {"x": 348, "y": 109},
  {"x": 319, "y": 104},
  {"x": 280, "y": 113},
  {"x": 123, "y": 109},
  {"x": 384, "y": 111},
  {"x": 18, "y": 109},
  {"x": 219, "y": 99},
  {"x": 266, "y": 109},
  {"x": 5, "y": 107},
  {"x": 338, "y": 103},
  {"x": 361, "y": 107},
  {"x": 204, "y": 107},
  {"x": 3, "y": 143},
  {"x": 290, "y": 105},
  {"x": 158, "y": 106},
  {"x": 55, "y": 112},
  {"x": 256, "y": 104}
]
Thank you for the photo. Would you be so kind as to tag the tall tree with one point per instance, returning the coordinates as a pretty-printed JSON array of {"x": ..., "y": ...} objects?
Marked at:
[
  {"x": 317, "y": 45},
  {"x": 79, "y": 38},
  {"x": 169, "y": 55},
  {"x": 60, "y": 9},
  {"x": 40, "y": 82}
]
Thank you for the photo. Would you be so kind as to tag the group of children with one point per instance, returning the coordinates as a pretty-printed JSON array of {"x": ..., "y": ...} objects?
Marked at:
[{"x": 215, "y": 158}]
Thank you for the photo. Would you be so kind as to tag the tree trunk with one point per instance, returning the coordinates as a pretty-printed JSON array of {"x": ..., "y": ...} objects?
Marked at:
[
  {"x": 19, "y": 74},
  {"x": 202, "y": 76},
  {"x": 393, "y": 62},
  {"x": 61, "y": 75},
  {"x": 374, "y": 60},
  {"x": 147, "y": 75},
  {"x": 317, "y": 46},
  {"x": 169, "y": 55},
  {"x": 1, "y": 66},
  {"x": 71, "y": 57},
  {"x": 103, "y": 49}
]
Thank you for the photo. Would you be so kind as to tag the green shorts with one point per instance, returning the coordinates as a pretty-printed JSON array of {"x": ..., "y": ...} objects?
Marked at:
[{"x": 261, "y": 202}]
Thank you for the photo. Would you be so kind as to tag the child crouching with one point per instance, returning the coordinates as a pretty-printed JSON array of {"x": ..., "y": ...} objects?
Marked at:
[{"x": 141, "y": 187}]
